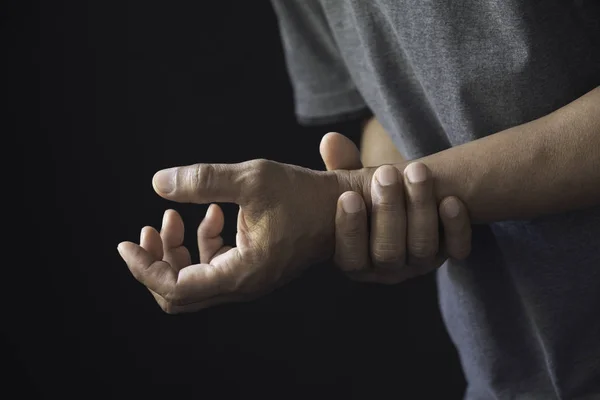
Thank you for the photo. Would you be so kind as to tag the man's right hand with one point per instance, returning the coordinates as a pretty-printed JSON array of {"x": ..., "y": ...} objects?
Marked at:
[{"x": 403, "y": 240}]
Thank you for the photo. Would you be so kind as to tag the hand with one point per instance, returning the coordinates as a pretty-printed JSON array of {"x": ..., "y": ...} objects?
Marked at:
[
  {"x": 403, "y": 241},
  {"x": 285, "y": 224},
  {"x": 168, "y": 246}
]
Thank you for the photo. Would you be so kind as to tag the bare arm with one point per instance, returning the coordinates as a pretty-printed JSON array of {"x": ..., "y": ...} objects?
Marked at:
[
  {"x": 376, "y": 146},
  {"x": 546, "y": 166}
]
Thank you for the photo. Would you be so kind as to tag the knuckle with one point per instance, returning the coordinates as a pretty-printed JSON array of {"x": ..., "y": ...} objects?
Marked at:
[
  {"x": 256, "y": 174},
  {"x": 391, "y": 207},
  {"x": 422, "y": 249},
  {"x": 261, "y": 167},
  {"x": 419, "y": 201},
  {"x": 203, "y": 176},
  {"x": 351, "y": 233},
  {"x": 387, "y": 253},
  {"x": 261, "y": 163}
]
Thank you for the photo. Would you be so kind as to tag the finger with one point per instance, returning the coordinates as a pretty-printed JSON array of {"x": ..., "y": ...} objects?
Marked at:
[
  {"x": 339, "y": 152},
  {"x": 155, "y": 274},
  {"x": 151, "y": 242},
  {"x": 199, "y": 282},
  {"x": 210, "y": 241},
  {"x": 457, "y": 227},
  {"x": 172, "y": 234},
  {"x": 194, "y": 283},
  {"x": 422, "y": 214},
  {"x": 204, "y": 183},
  {"x": 388, "y": 219},
  {"x": 351, "y": 234},
  {"x": 172, "y": 230}
]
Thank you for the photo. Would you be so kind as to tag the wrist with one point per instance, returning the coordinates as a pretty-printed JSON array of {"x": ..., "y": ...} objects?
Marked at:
[{"x": 359, "y": 181}]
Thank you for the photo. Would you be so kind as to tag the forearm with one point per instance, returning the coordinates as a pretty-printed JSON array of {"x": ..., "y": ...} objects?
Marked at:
[
  {"x": 546, "y": 166},
  {"x": 376, "y": 146}
]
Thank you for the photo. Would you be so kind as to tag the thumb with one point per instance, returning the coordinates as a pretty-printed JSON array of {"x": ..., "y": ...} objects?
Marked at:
[
  {"x": 339, "y": 152},
  {"x": 203, "y": 183}
]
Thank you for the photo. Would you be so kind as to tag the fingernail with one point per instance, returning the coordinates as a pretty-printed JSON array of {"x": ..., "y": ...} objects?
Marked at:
[
  {"x": 120, "y": 248},
  {"x": 416, "y": 172},
  {"x": 351, "y": 203},
  {"x": 451, "y": 208},
  {"x": 387, "y": 175},
  {"x": 164, "y": 180}
]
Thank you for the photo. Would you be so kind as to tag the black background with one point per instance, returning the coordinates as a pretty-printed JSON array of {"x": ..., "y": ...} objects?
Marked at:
[{"x": 100, "y": 96}]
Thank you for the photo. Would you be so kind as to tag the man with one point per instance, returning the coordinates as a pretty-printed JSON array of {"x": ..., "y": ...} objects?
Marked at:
[{"x": 498, "y": 105}]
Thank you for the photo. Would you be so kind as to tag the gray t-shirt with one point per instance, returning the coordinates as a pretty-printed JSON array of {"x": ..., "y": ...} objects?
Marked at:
[{"x": 524, "y": 309}]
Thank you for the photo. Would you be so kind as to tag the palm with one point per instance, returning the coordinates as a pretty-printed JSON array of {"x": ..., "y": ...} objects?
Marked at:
[
  {"x": 167, "y": 247},
  {"x": 217, "y": 261}
]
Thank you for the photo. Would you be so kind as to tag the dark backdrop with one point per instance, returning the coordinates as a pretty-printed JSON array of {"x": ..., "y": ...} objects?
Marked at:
[{"x": 100, "y": 97}]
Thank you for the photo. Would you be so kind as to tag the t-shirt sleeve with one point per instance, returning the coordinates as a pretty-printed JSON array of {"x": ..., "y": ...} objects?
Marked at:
[{"x": 323, "y": 89}]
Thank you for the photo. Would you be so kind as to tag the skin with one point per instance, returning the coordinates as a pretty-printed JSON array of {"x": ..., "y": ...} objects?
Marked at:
[
  {"x": 549, "y": 165},
  {"x": 376, "y": 147},
  {"x": 402, "y": 240}
]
